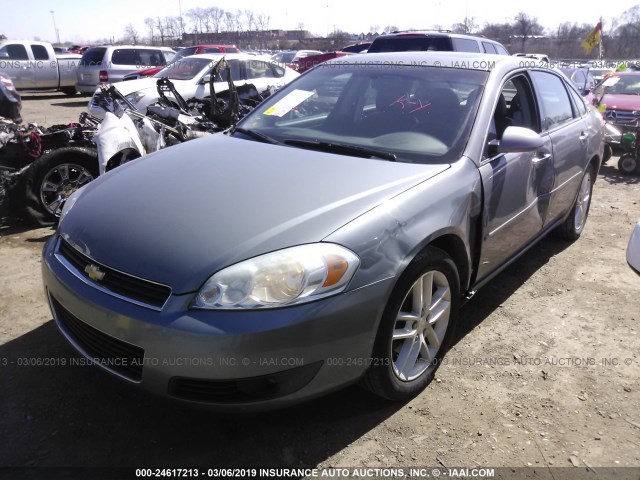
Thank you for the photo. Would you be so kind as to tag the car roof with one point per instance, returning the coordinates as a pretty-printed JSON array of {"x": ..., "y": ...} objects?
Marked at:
[
  {"x": 228, "y": 56},
  {"x": 435, "y": 33},
  {"x": 467, "y": 60}
]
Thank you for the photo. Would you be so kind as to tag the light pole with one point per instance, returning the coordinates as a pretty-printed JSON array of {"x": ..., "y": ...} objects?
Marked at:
[{"x": 54, "y": 26}]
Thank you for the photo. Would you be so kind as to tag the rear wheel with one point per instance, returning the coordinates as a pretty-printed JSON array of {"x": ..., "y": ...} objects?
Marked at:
[
  {"x": 53, "y": 178},
  {"x": 628, "y": 164},
  {"x": 573, "y": 226},
  {"x": 416, "y": 328},
  {"x": 70, "y": 91}
]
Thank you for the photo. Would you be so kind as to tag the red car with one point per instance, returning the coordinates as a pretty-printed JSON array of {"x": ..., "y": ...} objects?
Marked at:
[
  {"x": 183, "y": 52},
  {"x": 618, "y": 96}
]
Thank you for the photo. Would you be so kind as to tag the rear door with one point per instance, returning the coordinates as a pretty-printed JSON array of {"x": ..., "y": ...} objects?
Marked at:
[
  {"x": 516, "y": 186},
  {"x": 567, "y": 128},
  {"x": 47, "y": 68}
]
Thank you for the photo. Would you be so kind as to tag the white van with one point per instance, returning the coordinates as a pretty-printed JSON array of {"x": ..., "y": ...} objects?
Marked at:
[{"x": 108, "y": 64}]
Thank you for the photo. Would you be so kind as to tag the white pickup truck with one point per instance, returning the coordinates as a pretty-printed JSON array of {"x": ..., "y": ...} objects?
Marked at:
[{"x": 35, "y": 66}]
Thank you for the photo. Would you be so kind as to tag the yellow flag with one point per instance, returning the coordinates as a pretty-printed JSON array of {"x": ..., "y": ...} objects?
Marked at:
[{"x": 593, "y": 38}]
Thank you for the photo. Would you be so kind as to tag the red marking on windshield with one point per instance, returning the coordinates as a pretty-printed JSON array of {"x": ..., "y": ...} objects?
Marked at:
[{"x": 403, "y": 101}]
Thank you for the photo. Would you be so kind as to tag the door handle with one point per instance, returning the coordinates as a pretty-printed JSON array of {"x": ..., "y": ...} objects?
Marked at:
[
  {"x": 583, "y": 136},
  {"x": 538, "y": 159}
]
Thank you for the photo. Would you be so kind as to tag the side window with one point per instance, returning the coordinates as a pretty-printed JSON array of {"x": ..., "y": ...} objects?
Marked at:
[
  {"x": 39, "y": 52},
  {"x": 465, "y": 45},
  {"x": 501, "y": 50},
  {"x": 556, "y": 105},
  {"x": 15, "y": 52},
  {"x": 580, "y": 107},
  {"x": 488, "y": 47},
  {"x": 151, "y": 57},
  {"x": 258, "y": 69},
  {"x": 125, "y": 57},
  {"x": 515, "y": 108},
  {"x": 235, "y": 71}
]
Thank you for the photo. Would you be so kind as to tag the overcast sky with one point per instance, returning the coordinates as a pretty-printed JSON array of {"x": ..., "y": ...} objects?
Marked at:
[{"x": 86, "y": 20}]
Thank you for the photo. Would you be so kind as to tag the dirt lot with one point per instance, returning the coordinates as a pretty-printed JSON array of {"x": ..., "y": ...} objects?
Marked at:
[{"x": 544, "y": 373}]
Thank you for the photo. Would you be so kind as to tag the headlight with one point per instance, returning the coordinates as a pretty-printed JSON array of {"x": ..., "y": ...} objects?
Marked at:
[
  {"x": 70, "y": 202},
  {"x": 285, "y": 277},
  {"x": 135, "y": 97}
]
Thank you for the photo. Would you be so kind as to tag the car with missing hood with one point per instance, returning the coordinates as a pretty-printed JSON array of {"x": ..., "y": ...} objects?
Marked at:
[
  {"x": 330, "y": 237},
  {"x": 190, "y": 77}
]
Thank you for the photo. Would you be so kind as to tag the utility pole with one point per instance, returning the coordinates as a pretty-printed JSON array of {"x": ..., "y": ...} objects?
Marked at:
[{"x": 54, "y": 26}]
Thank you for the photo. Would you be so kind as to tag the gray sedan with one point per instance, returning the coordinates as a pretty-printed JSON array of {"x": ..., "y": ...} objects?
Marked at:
[{"x": 330, "y": 237}]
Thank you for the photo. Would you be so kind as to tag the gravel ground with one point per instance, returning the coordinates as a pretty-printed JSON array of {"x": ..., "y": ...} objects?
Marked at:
[{"x": 543, "y": 373}]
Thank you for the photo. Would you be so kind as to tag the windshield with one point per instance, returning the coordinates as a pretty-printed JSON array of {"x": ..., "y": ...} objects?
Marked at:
[
  {"x": 185, "y": 68},
  {"x": 418, "y": 114},
  {"x": 619, "y": 85}
]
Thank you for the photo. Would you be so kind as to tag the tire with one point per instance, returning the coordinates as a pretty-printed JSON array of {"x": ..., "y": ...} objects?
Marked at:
[
  {"x": 572, "y": 227},
  {"x": 402, "y": 330},
  {"x": 69, "y": 91},
  {"x": 628, "y": 164},
  {"x": 52, "y": 178}
]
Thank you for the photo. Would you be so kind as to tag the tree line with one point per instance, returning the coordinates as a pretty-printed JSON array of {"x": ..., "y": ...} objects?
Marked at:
[{"x": 247, "y": 29}]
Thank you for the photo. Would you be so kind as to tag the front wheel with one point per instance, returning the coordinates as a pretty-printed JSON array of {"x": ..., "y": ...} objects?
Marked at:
[
  {"x": 573, "y": 226},
  {"x": 628, "y": 164},
  {"x": 53, "y": 178},
  {"x": 416, "y": 327}
]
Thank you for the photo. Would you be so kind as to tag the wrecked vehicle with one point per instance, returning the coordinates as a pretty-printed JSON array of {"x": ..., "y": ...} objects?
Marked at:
[
  {"x": 330, "y": 236},
  {"x": 40, "y": 169},
  {"x": 191, "y": 78}
]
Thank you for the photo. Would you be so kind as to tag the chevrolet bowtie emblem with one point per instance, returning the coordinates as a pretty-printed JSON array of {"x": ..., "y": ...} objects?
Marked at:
[{"x": 94, "y": 272}]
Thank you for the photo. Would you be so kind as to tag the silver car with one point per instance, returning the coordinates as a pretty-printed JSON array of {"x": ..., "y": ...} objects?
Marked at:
[
  {"x": 109, "y": 64},
  {"x": 330, "y": 237}
]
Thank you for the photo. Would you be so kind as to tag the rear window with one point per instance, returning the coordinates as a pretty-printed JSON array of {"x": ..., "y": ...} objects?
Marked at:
[
  {"x": 411, "y": 43},
  {"x": 93, "y": 56},
  {"x": 39, "y": 52},
  {"x": 465, "y": 45}
]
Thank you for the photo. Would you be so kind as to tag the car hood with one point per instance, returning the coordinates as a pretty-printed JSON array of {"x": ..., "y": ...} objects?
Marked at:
[
  {"x": 621, "y": 102},
  {"x": 181, "y": 214}
]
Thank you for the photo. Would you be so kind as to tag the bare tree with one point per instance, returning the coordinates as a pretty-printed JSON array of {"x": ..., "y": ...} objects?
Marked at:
[
  {"x": 468, "y": 25},
  {"x": 149, "y": 23},
  {"x": 131, "y": 34},
  {"x": 497, "y": 31},
  {"x": 160, "y": 26},
  {"x": 526, "y": 26}
]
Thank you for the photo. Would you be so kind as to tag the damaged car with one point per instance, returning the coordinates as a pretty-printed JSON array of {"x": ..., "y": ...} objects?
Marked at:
[
  {"x": 330, "y": 236},
  {"x": 191, "y": 78}
]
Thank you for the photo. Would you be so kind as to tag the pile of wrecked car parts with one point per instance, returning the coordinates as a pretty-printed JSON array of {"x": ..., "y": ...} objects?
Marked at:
[{"x": 41, "y": 168}]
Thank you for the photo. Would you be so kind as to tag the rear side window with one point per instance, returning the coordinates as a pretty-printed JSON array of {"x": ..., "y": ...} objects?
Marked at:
[
  {"x": 138, "y": 56},
  {"x": 489, "y": 48},
  {"x": 411, "y": 43},
  {"x": 15, "y": 52},
  {"x": 555, "y": 99},
  {"x": 93, "y": 56},
  {"x": 211, "y": 50},
  {"x": 231, "y": 49},
  {"x": 465, "y": 45},
  {"x": 581, "y": 108},
  {"x": 260, "y": 69},
  {"x": 39, "y": 52},
  {"x": 500, "y": 49}
]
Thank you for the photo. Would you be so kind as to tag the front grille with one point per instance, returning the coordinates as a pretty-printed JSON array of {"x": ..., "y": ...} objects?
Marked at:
[
  {"x": 128, "y": 287},
  {"x": 622, "y": 117},
  {"x": 120, "y": 357}
]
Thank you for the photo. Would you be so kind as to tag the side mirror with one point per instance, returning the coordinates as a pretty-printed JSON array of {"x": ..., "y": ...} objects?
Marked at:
[
  {"x": 205, "y": 79},
  {"x": 4, "y": 55},
  {"x": 518, "y": 140}
]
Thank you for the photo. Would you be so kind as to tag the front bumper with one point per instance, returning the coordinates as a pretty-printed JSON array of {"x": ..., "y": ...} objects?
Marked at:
[{"x": 237, "y": 360}]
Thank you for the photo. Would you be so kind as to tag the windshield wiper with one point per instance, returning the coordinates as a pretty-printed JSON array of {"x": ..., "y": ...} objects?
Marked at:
[
  {"x": 261, "y": 137},
  {"x": 342, "y": 149}
]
